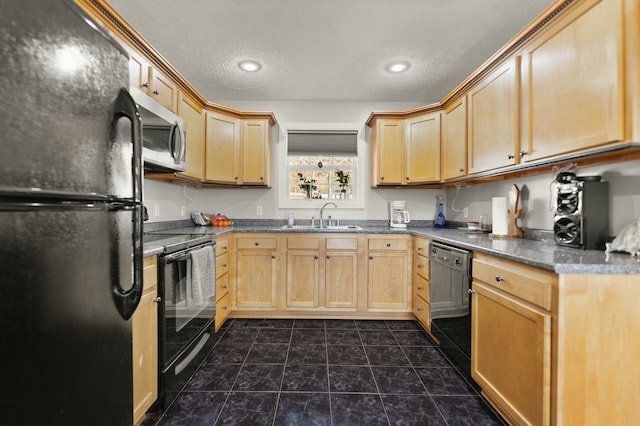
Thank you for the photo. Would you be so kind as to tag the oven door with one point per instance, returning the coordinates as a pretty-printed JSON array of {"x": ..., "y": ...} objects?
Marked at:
[{"x": 181, "y": 319}]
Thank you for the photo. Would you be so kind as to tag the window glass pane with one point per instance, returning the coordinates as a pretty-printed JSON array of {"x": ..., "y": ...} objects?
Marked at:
[{"x": 321, "y": 177}]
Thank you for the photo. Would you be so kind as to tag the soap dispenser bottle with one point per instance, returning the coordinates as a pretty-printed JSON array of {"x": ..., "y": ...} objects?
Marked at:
[{"x": 440, "y": 221}]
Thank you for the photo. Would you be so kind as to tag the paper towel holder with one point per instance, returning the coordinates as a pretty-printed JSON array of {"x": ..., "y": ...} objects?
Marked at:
[{"x": 513, "y": 213}]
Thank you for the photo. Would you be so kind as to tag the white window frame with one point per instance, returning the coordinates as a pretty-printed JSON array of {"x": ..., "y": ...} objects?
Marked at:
[{"x": 358, "y": 201}]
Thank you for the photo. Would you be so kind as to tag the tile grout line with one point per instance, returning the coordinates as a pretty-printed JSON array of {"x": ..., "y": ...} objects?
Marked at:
[
  {"x": 371, "y": 370},
  {"x": 237, "y": 375},
  {"x": 423, "y": 385},
  {"x": 326, "y": 352},
  {"x": 284, "y": 369}
]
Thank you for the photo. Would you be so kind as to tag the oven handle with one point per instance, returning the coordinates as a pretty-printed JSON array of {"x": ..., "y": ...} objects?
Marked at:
[{"x": 184, "y": 254}]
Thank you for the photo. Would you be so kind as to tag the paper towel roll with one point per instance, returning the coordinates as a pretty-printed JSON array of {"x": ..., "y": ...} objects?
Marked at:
[{"x": 500, "y": 220}]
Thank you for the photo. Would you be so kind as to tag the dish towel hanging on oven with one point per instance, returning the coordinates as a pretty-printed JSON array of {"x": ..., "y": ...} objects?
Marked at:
[{"x": 203, "y": 275}]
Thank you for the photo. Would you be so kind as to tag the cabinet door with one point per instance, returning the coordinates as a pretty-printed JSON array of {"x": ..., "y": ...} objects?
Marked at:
[
  {"x": 388, "y": 286},
  {"x": 511, "y": 354},
  {"x": 423, "y": 149},
  {"x": 144, "y": 326},
  {"x": 222, "y": 149},
  {"x": 255, "y": 152},
  {"x": 303, "y": 279},
  {"x": 574, "y": 82},
  {"x": 454, "y": 141},
  {"x": 163, "y": 90},
  {"x": 194, "y": 119},
  {"x": 389, "y": 152},
  {"x": 256, "y": 279},
  {"x": 139, "y": 71},
  {"x": 341, "y": 279},
  {"x": 493, "y": 119}
]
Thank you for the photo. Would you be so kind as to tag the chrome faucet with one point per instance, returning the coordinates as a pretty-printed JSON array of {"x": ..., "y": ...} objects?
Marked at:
[{"x": 322, "y": 211}]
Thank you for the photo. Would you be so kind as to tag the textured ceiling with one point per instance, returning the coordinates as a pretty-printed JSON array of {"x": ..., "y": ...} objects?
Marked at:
[{"x": 328, "y": 49}]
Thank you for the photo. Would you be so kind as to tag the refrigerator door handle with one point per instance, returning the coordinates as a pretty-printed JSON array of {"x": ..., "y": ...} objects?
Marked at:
[
  {"x": 126, "y": 300},
  {"x": 125, "y": 106}
]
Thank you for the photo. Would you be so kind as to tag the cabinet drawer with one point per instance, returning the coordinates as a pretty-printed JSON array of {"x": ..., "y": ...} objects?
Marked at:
[
  {"x": 149, "y": 273},
  {"x": 223, "y": 308},
  {"x": 222, "y": 286},
  {"x": 341, "y": 244},
  {"x": 422, "y": 311},
  {"x": 258, "y": 242},
  {"x": 422, "y": 266},
  {"x": 526, "y": 282},
  {"x": 388, "y": 244},
  {"x": 311, "y": 243},
  {"x": 222, "y": 265},
  {"x": 222, "y": 247},
  {"x": 421, "y": 287},
  {"x": 421, "y": 246}
]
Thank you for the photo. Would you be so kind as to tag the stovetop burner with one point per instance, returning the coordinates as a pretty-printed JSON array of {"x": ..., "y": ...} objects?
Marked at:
[{"x": 176, "y": 242}]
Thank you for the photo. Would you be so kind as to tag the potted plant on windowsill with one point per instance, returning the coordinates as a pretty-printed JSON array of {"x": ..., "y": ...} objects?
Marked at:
[
  {"x": 307, "y": 185},
  {"x": 343, "y": 179}
]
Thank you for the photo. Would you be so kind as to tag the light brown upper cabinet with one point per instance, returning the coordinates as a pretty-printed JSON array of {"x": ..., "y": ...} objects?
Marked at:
[
  {"x": 194, "y": 119},
  {"x": 454, "y": 140},
  {"x": 493, "y": 119},
  {"x": 222, "y": 148},
  {"x": 573, "y": 82},
  {"x": 405, "y": 151},
  {"x": 238, "y": 150},
  {"x": 256, "y": 152},
  {"x": 143, "y": 76},
  {"x": 387, "y": 153},
  {"x": 422, "y": 148}
]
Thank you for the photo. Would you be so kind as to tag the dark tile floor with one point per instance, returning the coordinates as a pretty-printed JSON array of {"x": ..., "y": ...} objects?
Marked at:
[{"x": 326, "y": 372}]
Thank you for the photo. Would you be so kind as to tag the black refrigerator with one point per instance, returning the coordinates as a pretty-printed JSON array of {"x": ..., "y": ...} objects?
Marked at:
[{"x": 70, "y": 219}]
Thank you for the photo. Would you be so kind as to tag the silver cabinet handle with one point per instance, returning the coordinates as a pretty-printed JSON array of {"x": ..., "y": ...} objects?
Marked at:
[
  {"x": 157, "y": 299},
  {"x": 471, "y": 291},
  {"x": 499, "y": 278}
]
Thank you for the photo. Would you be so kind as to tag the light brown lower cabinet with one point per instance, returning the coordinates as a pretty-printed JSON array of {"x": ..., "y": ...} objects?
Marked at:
[
  {"x": 288, "y": 275},
  {"x": 421, "y": 277},
  {"x": 388, "y": 273},
  {"x": 144, "y": 324},
  {"x": 511, "y": 354},
  {"x": 555, "y": 349},
  {"x": 256, "y": 271},
  {"x": 223, "y": 278}
]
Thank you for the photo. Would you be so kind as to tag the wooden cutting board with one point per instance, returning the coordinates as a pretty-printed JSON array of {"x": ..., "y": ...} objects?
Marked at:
[{"x": 513, "y": 213}]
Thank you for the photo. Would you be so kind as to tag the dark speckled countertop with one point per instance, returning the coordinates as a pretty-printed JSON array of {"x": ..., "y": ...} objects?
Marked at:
[{"x": 542, "y": 254}]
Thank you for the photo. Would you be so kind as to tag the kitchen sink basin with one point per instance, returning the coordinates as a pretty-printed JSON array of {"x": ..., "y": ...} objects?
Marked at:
[{"x": 328, "y": 228}]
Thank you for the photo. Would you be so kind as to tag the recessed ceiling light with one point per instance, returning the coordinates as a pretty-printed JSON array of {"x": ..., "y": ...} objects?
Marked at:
[
  {"x": 250, "y": 66},
  {"x": 398, "y": 66}
]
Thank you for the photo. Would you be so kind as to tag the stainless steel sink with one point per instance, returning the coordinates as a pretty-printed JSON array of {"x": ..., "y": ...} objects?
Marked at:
[{"x": 317, "y": 228}]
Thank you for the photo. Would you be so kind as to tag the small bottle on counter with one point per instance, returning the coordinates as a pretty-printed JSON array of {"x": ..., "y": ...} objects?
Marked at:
[
  {"x": 440, "y": 221},
  {"x": 290, "y": 221}
]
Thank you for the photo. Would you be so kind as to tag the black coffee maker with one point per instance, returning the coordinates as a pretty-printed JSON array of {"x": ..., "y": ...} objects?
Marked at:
[{"x": 581, "y": 217}]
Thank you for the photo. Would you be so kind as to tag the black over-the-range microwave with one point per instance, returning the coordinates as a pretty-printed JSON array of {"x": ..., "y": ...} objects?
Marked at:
[{"x": 164, "y": 143}]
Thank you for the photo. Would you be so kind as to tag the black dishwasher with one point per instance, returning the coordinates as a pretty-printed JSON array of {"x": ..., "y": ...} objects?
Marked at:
[{"x": 450, "y": 281}]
